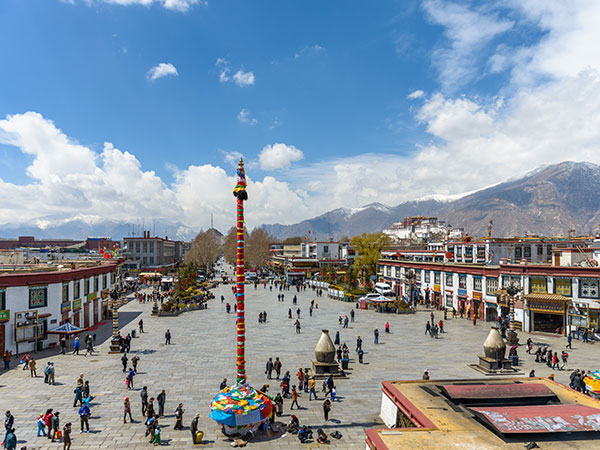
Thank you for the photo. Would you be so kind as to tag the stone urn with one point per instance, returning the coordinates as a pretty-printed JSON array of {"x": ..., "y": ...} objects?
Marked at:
[
  {"x": 325, "y": 350},
  {"x": 494, "y": 346}
]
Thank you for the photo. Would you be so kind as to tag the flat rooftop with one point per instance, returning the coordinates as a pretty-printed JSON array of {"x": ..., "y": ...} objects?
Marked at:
[{"x": 457, "y": 414}]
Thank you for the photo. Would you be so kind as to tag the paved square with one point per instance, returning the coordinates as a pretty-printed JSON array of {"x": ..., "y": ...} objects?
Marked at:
[{"x": 203, "y": 353}]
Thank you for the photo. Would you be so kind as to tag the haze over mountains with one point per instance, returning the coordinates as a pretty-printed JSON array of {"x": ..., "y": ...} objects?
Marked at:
[{"x": 547, "y": 201}]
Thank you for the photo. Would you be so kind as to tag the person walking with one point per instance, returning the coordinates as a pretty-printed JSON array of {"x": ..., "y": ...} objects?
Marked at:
[
  {"x": 9, "y": 421},
  {"x": 194, "y": 428},
  {"x": 326, "y": 409},
  {"x": 269, "y": 368},
  {"x": 84, "y": 415},
  {"x": 67, "y": 436},
  {"x": 311, "y": 389},
  {"x": 130, "y": 376},
  {"x": 358, "y": 343},
  {"x": 168, "y": 337},
  {"x": 179, "y": 417},
  {"x": 141, "y": 325},
  {"x": 150, "y": 409},
  {"x": 555, "y": 361},
  {"x": 51, "y": 373},
  {"x": 295, "y": 396},
  {"x": 78, "y": 396},
  {"x": 6, "y": 358},
  {"x": 134, "y": 362},
  {"x": 351, "y": 315},
  {"x": 223, "y": 384},
  {"x": 298, "y": 326},
  {"x": 277, "y": 366},
  {"x": 569, "y": 339},
  {"x": 124, "y": 360},
  {"x": 75, "y": 346},
  {"x": 48, "y": 422},
  {"x": 41, "y": 426},
  {"x": 337, "y": 338},
  {"x": 161, "y": 399},
  {"x": 144, "y": 400},
  {"x": 10, "y": 440},
  {"x": 55, "y": 425},
  {"x": 278, "y": 405},
  {"x": 127, "y": 410},
  {"x": 32, "y": 365},
  {"x": 376, "y": 335}
]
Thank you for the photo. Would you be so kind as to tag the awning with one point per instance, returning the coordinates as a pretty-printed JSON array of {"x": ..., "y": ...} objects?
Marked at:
[
  {"x": 67, "y": 328},
  {"x": 548, "y": 297},
  {"x": 547, "y": 303}
]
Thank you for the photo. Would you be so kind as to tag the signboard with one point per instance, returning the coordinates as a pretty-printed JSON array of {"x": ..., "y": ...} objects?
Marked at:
[
  {"x": 462, "y": 292},
  {"x": 76, "y": 304},
  {"x": 65, "y": 307},
  {"x": 436, "y": 288},
  {"x": 476, "y": 295},
  {"x": 27, "y": 326},
  {"x": 4, "y": 315},
  {"x": 92, "y": 296}
]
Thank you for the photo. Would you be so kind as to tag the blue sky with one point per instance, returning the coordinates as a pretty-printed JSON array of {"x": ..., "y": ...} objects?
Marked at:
[{"x": 331, "y": 103}]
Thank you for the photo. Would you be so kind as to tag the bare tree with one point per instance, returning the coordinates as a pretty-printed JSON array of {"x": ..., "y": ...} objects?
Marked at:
[
  {"x": 230, "y": 245},
  {"x": 205, "y": 250},
  {"x": 258, "y": 252}
]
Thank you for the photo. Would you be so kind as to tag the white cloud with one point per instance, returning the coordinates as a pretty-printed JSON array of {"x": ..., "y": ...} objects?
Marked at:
[
  {"x": 415, "y": 94},
  {"x": 161, "y": 70},
  {"x": 245, "y": 117},
  {"x": 310, "y": 49},
  {"x": 240, "y": 78},
  {"x": 469, "y": 31},
  {"x": 175, "y": 5},
  {"x": 279, "y": 156},
  {"x": 243, "y": 79},
  {"x": 231, "y": 158}
]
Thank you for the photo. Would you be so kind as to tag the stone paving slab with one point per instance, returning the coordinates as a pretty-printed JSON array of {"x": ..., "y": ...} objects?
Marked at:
[{"x": 203, "y": 353}]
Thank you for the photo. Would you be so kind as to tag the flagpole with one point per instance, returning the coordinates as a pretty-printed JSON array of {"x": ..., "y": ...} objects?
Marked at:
[{"x": 241, "y": 195}]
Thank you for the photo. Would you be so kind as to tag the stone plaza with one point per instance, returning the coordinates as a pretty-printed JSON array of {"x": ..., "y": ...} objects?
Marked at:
[{"x": 202, "y": 353}]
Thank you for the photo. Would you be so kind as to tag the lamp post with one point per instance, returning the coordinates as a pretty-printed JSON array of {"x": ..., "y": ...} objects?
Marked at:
[
  {"x": 114, "y": 342},
  {"x": 512, "y": 291}
]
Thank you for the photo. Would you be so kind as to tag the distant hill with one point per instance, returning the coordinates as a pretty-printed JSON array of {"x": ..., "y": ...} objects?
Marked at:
[{"x": 547, "y": 201}]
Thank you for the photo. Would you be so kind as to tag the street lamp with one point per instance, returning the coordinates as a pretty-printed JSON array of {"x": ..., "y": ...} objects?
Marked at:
[
  {"x": 115, "y": 346},
  {"x": 512, "y": 291}
]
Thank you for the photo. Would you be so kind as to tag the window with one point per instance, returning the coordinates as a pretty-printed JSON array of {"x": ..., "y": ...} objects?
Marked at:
[
  {"x": 96, "y": 284},
  {"x": 540, "y": 250},
  {"x": 491, "y": 285},
  {"x": 562, "y": 286},
  {"x": 458, "y": 251},
  {"x": 113, "y": 278},
  {"x": 589, "y": 288},
  {"x": 2, "y": 299},
  {"x": 480, "y": 252},
  {"x": 137, "y": 247},
  {"x": 527, "y": 252},
  {"x": 144, "y": 247},
  {"x": 388, "y": 271},
  {"x": 326, "y": 249},
  {"x": 38, "y": 296},
  {"x": 549, "y": 250},
  {"x": 538, "y": 285},
  {"x": 104, "y": 281},
  {"x": 449, "y": 279},
  {"x": 418, "y": 275},
  {"x": 518, "y": 252},
  {"x": 437, "y": 278},
  {"x": 469, "y": 252},
  {"x": 151, "y": 245},
  {"x": 76, "y": 289},
  {"x": 462, "y": 281},
  {"x": 145, "y": 261},
  {"x": 65, "y": 292},
  {"x": 449, "y": 302},
  {"x": 477, "y": 284},
  {"x": 427, "y": 276},
  {"x": 86, "y": 286}
]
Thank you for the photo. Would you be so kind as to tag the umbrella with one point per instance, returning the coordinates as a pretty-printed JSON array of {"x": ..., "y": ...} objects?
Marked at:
[
  {"x": 592, "y": 381},
  {"x": 240, "y": 406},
  {"x": 67, "y": 328}
]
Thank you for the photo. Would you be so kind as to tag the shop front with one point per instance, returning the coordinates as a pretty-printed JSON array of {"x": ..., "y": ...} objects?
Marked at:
[
  {"x": 547, "y": 312},
  {"x": 477, "y": 305},
  {"x": 491, "y": 311},
  {"x": 437, "y": 296},
  {"x": 76, "y": 306},
  {"x": 449, "y": 300},
  {"x": 4, "y": 318},
  {"x": 463, "y": 304}
]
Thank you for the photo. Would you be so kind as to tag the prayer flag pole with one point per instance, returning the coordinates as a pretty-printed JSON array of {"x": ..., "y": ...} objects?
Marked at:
[{"x": 241, "y": 195}]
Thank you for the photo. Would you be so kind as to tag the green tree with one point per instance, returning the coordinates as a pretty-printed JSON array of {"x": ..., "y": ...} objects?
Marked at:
[
  {"x": 368, "y": 246},
  {"x": 230, "y": 246}
]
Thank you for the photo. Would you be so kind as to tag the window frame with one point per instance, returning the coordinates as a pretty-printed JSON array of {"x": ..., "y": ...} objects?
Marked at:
[{"x": 33, "y": 289}]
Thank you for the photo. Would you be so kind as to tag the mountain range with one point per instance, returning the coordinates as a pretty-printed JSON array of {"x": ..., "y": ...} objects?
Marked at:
[{"x": 550, "y": 201}]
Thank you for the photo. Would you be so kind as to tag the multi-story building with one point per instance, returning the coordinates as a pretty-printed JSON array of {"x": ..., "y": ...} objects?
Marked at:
[
  {"x": 422, "y": 229},
  {"x": 564, "y": 299},
  {"x": 150, "y": 251},
  {"x": 52, "y": 295}
]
